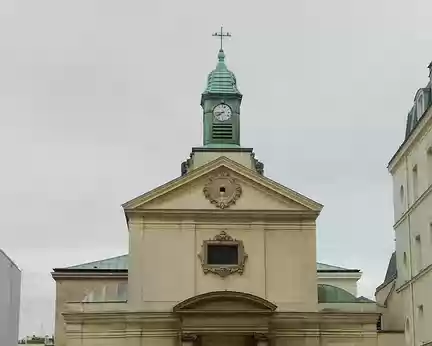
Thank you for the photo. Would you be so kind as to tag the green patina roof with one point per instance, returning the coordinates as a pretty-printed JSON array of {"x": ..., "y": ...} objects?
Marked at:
[
  {"x": 327, "y": 267},
  {"x": 114, "y": 263},
  {"x": 121, "y": 263},
  {"x": 333, "y": 294},
  {"x": 221, "y": 80}
]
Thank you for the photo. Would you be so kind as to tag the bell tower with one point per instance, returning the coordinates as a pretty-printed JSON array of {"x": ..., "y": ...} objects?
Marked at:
[{"x": 221, "y": 102}]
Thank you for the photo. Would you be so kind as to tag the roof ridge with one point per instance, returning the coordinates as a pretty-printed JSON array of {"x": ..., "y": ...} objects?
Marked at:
[
  {"x": 120, "y": 262},
  {"x": 330, "y": 266}
]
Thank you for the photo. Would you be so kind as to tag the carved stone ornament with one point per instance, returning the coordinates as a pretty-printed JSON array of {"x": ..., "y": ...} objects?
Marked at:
[
  {"x": 186, "y": 337},
  {"x": 223, "y": 270},
  {"x": 222, "y": 190},
  {"x": 260, "y": 337}
]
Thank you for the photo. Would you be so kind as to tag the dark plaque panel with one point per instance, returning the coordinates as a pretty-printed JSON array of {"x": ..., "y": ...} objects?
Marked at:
[{"x": 222, "y": 254}]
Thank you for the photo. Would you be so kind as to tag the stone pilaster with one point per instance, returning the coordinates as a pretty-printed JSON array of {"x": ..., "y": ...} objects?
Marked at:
[{"x": 136, "y": 238}]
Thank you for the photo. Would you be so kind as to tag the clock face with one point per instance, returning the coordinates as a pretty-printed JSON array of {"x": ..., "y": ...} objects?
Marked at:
[{"x": 222, "y": 112}]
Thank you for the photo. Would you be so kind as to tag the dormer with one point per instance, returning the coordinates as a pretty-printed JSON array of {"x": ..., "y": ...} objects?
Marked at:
[{"x": 422, "y": 101}]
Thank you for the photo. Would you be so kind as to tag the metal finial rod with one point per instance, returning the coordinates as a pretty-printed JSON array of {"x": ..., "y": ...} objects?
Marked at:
[{"x": 222, "y": 35}]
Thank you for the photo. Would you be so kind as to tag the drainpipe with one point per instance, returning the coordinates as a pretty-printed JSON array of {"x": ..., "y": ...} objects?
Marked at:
[{"x": 413, "y": 325}]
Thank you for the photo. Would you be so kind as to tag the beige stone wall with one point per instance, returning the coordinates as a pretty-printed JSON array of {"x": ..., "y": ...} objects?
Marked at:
[
  {"x": 417, "y": 305},
  {"x": 391, "y": 339},
  {"x": 134, "y": 329},
  {"x": 390, "y": 305},
  {"x": 281, "y": 265},
  {"x": 165, "y": 269},
  {"x": 75, "y": 290},
  {"x": 253, "y": 197},
  {"x": 412, "y": 174}
]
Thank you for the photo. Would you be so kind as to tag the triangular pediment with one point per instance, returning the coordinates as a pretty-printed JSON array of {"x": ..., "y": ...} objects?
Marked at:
[{"x": 223, "y": 184}]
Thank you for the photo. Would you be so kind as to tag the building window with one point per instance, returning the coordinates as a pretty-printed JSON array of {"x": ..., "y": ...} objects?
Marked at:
[
  {"x": 223, "y": 255},
  {"x": 420, "y": 107},
  {"x": 418, "y": 253},
  {"x": 122, "y": 288},
  {"x": 407, "y": 332},
  {"x": 415, "y": 183},
  {"x": 420, "y": 310},
  {"x": 429, "y": 165},
  {"x": 402, "y": 195},
  {"x": 430, "y": 231}
]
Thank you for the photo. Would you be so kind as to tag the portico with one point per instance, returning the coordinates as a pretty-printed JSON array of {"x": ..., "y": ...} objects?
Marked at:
[{"x": 225, "y": 318}]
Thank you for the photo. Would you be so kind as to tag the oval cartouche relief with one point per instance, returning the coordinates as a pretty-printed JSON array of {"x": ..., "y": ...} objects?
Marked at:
[{"x": 222, "y": 190}]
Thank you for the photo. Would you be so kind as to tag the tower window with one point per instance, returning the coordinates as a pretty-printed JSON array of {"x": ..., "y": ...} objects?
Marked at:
[{"x": 222, "y": 131}]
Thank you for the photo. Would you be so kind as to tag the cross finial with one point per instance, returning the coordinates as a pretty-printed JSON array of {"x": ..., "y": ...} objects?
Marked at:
[{"x": 222, "y": 35}]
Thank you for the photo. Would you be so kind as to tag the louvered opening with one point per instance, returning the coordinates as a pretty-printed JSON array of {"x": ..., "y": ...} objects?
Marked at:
[{"x": 222, "y": 131}]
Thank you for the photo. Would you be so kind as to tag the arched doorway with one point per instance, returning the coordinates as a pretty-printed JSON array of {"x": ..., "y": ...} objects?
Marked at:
[{"x": 225, "y": 318}]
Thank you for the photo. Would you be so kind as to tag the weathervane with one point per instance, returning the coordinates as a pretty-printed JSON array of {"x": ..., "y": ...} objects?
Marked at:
[{"x": 222, "y": 35}]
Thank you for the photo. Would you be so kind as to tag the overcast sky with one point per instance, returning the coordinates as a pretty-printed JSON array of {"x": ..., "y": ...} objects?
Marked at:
[{"x": 99, "y": 102}]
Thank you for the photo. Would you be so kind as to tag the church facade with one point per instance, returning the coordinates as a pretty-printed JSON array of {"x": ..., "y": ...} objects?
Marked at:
[{"x": 222, "y": 255}]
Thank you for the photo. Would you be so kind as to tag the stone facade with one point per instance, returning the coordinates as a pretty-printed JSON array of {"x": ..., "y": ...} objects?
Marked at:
[
  {"x": 411, "y": 170},
  {"x": 221, "y": 255}
]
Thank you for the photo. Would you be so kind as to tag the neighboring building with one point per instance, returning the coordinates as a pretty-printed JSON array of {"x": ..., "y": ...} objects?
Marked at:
[
  {"x": 10, "y": 292},
  {"x": 221, "y": 255},
  {"x": 411, "y": 169},
  {"x": 37, "y": 340}
]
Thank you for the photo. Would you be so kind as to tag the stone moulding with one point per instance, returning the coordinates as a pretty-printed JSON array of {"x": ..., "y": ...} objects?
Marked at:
[
  {"x": 196, "y": 303},
  {"x": 222, "y": 190},
  {"x": 223, "y": 270}
]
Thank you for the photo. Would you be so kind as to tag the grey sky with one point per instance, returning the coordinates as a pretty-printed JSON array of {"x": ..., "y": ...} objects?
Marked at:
[{"x": 99, "y": 102}]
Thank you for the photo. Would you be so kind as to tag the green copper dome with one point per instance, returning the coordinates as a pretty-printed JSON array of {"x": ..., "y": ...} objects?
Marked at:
[{"x": 221, "y": 80}]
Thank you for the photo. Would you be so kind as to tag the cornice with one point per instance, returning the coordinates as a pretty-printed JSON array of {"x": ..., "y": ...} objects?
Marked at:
[
  {"x": 416, "y": 277},
  {"x": 340, "y": 274},
  {"x": 324, "y": 317},
  {"x": 122, "y": 334},
  {"x": 65, "y": 274},
  {"x": 120, "y": 316},
  {"x": 216, "y": 214},
  {"x": 222, "y": 150},
  {"x": 385, "y": 284},
  {"x": 334, "y": 333},
  {"x": 413, "y": 206}
]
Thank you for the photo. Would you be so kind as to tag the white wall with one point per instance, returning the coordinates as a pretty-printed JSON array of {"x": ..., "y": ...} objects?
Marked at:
[
  {"x": 413, "y": 230},
  {"x": 10, "y": 292}
]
